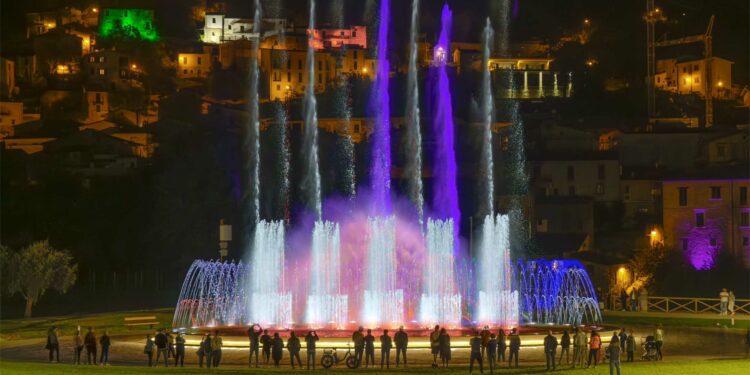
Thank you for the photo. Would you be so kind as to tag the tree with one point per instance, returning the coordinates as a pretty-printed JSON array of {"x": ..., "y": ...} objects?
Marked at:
[
  {"x": 645, "y": 263},
  {"x": 35, "y": 269}
]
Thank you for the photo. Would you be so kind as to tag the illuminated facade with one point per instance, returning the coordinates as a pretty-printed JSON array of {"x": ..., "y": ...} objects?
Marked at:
[
  {"x": 706, "y": 215},
  {"x": 194, "y": 65},
  {"x": 337, "y": 38},
  {"x": 129, "y": 23},
  {"x": 689, "y": 76}
]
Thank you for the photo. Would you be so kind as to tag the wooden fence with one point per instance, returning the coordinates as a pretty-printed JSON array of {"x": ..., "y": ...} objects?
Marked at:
[{"x": 690, "y": 305}]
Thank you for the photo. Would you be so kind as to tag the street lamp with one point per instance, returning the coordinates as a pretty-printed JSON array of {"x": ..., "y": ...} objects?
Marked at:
[{"x": 225, "y": 236}]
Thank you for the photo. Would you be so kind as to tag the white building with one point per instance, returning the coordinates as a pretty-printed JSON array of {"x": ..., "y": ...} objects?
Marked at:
[{"x": 219, "y": 28}]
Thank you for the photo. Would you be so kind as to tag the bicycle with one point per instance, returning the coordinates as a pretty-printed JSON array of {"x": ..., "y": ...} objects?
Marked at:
[{"x": 330, "y": 357}]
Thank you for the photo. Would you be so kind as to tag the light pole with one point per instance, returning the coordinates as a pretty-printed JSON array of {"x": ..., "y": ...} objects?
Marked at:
[{"x": 225, "y": 235}]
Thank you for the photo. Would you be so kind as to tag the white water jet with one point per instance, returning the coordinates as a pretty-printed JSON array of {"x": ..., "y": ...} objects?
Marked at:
[
  {"x": 413, "y": 166},
  {"x": 440, "y": 302},
  {"x": 311, "y": 179},
  {"x": 270, "y": 303},
  {"x": 498, "y": 302},
  {"x": 488, "y": 108},
  {"x": 325, "y": 303},
  {"x": 383, "y": 301}
]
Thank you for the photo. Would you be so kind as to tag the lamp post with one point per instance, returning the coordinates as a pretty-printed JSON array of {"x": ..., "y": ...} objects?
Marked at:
[{"x": 225, "y": 235}]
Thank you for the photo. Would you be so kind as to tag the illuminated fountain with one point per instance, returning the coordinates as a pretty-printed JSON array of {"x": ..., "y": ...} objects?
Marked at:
[{"x": 369, "y": 258}]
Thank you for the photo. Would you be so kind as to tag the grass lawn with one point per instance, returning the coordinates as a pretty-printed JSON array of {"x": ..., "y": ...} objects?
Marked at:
[
  {"x": 16, "y": 329},
  {"x": 704, "y": 367},
  {"x": 673, "y": 322}
]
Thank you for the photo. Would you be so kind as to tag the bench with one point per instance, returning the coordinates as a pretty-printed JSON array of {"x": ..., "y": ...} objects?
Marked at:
[{"x": 138, "y": 321}]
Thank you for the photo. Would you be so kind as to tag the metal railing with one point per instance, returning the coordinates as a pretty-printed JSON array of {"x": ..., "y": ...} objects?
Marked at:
[{"x": 689, "y": 305}]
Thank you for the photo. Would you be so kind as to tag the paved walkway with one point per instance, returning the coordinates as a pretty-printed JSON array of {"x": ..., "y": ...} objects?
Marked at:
[{"x": 675, "y": 315}]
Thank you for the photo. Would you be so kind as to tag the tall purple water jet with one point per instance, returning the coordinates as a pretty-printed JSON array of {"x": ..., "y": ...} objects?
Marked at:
[
  {"x": 487, "y": 206},
  {"x": 445, "y": 192},
  {"x": 413, "y": 165},
  {"x": 380, "y": 170}
]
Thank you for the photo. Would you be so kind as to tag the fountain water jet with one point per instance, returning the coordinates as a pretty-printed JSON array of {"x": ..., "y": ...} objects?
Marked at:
[
  {"x": 311, "y": 182},
  {"x": 413, "y": 167},
  {"x": 380, "y": 170},
  {"x": 445, "y": 191},
  {"x": 497, "y": 301},
  {"x": 270, "y": 303},
  {"x": 440, "y": 303},
  {"x": 325, "y": 303},
  {"x": 383, "y": 301}
]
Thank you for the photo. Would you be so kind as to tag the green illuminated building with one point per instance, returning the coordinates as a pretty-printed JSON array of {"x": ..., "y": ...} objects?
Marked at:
[{"x": 128, "y": 24}]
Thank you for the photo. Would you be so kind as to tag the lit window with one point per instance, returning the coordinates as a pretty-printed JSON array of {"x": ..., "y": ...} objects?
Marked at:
[
  {"x": 101, "y": 72},
  {"x": 101, "y": 59}
]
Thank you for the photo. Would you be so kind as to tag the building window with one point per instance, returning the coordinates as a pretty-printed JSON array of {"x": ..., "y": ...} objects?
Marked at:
[
  {"x": 101, "y": 59},
  {"x": 600, "y": 171},
  {"x": 278, "y": 87},
  {"x": 571, "y": 173},
  {"x": 683, "y": 196},
  {"x": 320, "y": 65},
  {"x": 715, "y": 192},
  {"x": 721, "y": 150},
  {"x": 213, "y": 20},
  {"x": 743, "y": 195},
  {"x": 354, "y": 34},
  {"x": 200, "y": 62},
  {"x": 98, "y": 97},
  {"x": 600, "y": 189},
  {"x": 684, "y": 244},
  {"x": 745, "y": 219},
  {"x": 92, "y": 59},
  {"x": 98, "y": 108},
  {"x": 320, "y": 78},
  {"x": 289, "y": 77},
  {"x": 184, "y": 61},
  {"x": 700, "y": 219},
  {"x": 712, "y": 241},
  {"x": 745, "y": 241},
  {"x": 355, "y": 65},
  {"x": 101, "y": 71}
]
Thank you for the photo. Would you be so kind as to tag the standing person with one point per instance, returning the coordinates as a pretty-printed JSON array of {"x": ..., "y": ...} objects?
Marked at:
[
  {"x": 277, "y": 349},
  {"x": 594, "y": 344},
  {"x": 435, "y": 344},
  {"x": 515, "y": 347},
  {"x": 550, "y": 350},
  {"x": 253, "y": 337},
  {"x": 359, "y": 343},
  {"x": 369, "y": 349},
  {"x": 310, "y": 342},
  {"x": 204, "y": 351},
  {"x": 623, "y": 300},
  {"x": 267, "y": 343},
  {"x": 402, "y": 341},
  {"x": 564, "y": 347},
  {"x": 630, "y": 346},
  {"x": 385, "y": 349},
  {"x": 179, "y": 351},
  {"x": 634, "y": 299},
  {"x": 579, "y": 347},
  {"x": 730, "y": 303},
  {"x": 78, "y": 342},
  {"x": 216, "y": 344},
  {"x": 485, "y": 335},
  {"x": 105, "y": 343},
  {"x": 148, "y": 350},
  {"x": 614, "y": 355},
  {"x": 723, "y": 301},
  {"x": 293, "y": 346},
  {"x": 444, "y": 343},
  {"x": 659, "y": 338},
  {"x": 622, "y": 338},
  {"x": 161, "y": 347},
  {"x": 501, "y": 346},
  {"x": 476, "y": 353},
  {"x": 53, "y": 344},
  {"x": 491, "y": 353},
  {"x": 90, "y": 342}
]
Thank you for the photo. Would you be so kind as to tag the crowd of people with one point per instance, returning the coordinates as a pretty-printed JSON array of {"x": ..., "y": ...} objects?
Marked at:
[{"x": 486, "y": 348}]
